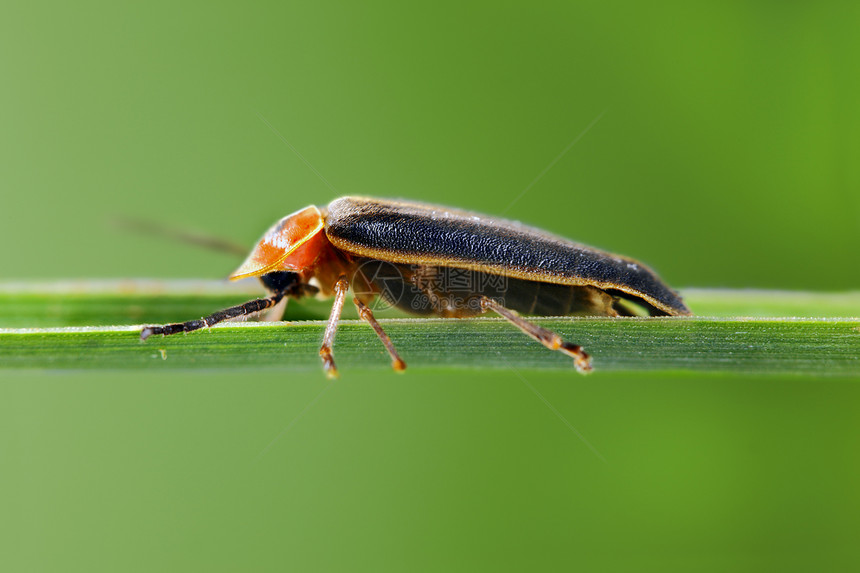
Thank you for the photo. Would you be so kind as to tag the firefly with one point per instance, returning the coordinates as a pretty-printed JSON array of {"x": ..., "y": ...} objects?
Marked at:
[{"x": 431, "y": 260}]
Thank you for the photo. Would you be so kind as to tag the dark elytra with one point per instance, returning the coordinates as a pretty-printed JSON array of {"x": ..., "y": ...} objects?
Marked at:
[{"x": 417, "y": 234}]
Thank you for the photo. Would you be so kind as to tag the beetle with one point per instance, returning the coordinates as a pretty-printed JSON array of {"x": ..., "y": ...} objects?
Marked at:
[{"x": 436, "y": 261}]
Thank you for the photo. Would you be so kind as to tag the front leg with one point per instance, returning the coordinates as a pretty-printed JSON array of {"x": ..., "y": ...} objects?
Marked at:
[{"x": 340, "y": 288}]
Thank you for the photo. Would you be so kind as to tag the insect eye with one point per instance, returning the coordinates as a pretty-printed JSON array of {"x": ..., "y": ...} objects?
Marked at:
[{"x": 280, "y": 281}]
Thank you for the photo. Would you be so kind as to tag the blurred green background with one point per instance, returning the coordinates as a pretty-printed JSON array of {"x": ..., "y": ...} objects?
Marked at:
[{"x": 722, "y": 150}]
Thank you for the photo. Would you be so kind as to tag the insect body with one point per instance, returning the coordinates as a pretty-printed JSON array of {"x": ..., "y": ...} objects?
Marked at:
[{"x": 436, "y": 261}]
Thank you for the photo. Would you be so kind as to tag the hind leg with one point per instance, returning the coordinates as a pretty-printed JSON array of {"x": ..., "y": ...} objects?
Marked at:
[{"x": 548, "y": 338}]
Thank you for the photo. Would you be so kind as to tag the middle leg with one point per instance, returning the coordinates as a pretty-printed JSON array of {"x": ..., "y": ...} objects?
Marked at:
[{"x": 366, "y": 314}]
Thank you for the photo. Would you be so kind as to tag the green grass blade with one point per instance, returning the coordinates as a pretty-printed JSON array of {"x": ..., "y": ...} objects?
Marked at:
[{"x": 817, "y": 345}]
